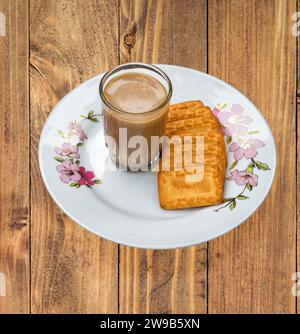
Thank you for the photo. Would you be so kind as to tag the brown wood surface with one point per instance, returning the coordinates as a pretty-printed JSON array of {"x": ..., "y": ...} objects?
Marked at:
[
  {"x": 54, "y": 266},
  {"x": 298, "y": 159},
  {"x": 250, "y": 269},
  {"x": 14, "y": 173},
  {"x": 73, "y": 271}
]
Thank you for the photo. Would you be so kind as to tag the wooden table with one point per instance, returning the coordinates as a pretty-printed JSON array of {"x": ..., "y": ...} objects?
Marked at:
[{"x": 52, "y": 265}]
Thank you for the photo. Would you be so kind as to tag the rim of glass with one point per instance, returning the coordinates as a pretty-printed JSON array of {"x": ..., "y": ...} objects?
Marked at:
[{"x": 127, "y": 66}]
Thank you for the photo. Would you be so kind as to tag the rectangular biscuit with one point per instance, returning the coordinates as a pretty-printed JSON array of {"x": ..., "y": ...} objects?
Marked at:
[
  {"x": 186, "y": 110},
  {"x": 176, "y": 193},
  {"x": 201, "y": 122},
  {"x": 193, "y": 119}
]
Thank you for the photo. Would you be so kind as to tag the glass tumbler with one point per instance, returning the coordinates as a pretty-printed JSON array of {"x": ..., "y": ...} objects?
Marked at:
[{"x": 130, "y": 135}]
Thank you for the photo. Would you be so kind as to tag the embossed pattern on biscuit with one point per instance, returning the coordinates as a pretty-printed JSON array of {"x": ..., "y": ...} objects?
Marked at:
[{"x": 193, "y": 119}]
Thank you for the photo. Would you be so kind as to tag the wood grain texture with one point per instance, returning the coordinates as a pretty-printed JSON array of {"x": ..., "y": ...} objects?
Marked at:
[
  {"x": 298, "y": 158},
  {"x": 14, "y": 172},
  {"x": 73, "y": 271},
  {"x": 171, "y": 281},
  {"x": 252, "y": 48}
]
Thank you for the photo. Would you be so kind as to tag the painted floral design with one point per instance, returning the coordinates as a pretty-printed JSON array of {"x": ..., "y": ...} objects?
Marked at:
[
  {"x": 87, "y": 177},
  {"x": 76, "y": 129},
  {"x": 233, "y": 121},
  {"x": 244, "y": 144},
  {"x": 243, "y": 178},
  {"x": 68, "y": 150},
  {"x": 247, "y": 149},
  {"x": 70, "y": 170}
]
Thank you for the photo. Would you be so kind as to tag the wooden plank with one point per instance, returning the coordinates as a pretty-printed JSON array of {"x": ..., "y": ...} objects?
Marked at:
[
  {"x": 171, "y": 281},
  {"x": 73, "y": 271},
  {"x": 252, "y": 48},
  {"x": 298, "y": 160},
  {"x": 14, "y": 172}
]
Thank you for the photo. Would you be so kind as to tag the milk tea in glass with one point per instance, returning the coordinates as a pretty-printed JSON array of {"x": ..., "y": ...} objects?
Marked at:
[{"x": 136, "y": 100}]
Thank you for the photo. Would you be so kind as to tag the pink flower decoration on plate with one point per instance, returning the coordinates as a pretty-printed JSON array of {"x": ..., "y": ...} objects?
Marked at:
[
  {"x": 77, "y": 130},
  {"x": 247, "y": 149},
  {"x": 216, "y": 112},
  {"x": 86, "y": 177},
  {"x": 243, "y": 178},
  {"x": 233, "y": 121},
  {"x": 69, "y": 171},
  {"x": 68, "y": 150}
]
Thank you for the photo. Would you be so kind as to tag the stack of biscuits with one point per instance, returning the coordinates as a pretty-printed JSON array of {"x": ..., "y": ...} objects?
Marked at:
[{"x": 176, "y": 190}]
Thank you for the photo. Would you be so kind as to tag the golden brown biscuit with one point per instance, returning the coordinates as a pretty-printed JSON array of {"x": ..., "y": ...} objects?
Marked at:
[
  {"x": 184, "y": 110},
  {"x": 175, "y": 189},
  {"x": 214, "y": 152},
  {"x": 203, "y": 122}
]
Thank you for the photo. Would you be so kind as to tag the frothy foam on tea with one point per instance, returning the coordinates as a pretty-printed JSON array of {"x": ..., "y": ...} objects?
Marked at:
[{"x": 135, "y": 92}]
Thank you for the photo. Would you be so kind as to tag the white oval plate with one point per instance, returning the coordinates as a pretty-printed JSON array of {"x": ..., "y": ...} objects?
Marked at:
[{"x": 124, "y": 208}]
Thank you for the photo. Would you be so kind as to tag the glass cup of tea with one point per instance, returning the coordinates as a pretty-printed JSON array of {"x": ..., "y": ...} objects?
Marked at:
[{"x": 135, "y": 99}]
